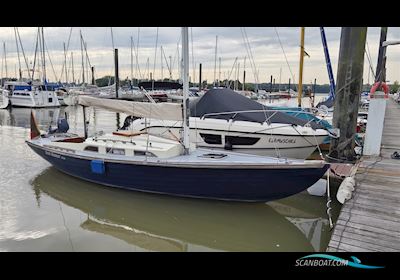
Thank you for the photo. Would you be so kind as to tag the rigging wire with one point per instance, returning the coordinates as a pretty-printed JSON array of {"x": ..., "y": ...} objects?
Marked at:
[
  {"x": 23, "y": 53},
  {"x": 51, "y": 63},
  {"x": 176, "y": 52},
  {"x": 66, "y": 51},
  {"x": 368, "y": 53},
  {"x": 137, "y": 68},
  {"x": 249, "y": 54},
  {"x": 165, "y": 58},
  {"x": 229, "y": 76},
  {"x": 284, "y": 53},
  {"x": 34, "y": 58}
]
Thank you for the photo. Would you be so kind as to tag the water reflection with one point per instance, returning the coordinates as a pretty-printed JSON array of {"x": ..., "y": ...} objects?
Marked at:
[
  {"x": 20, "y": 117},
  {"x": 162, "y": 223},
  {"x": 45, "y": 117}
]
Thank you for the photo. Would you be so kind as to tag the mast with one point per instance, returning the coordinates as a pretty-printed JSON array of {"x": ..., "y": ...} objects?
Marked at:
[
  {"x": 170, "y": 67},
  {"x": 138, "y": 74},
  {"x": 219, "y": 71},
  {"x": 83, "y": 63},
  {"x": 237, "y": 76},
  {"x": 43, "y": 58},
  {"x": 72, "y": 62},
  {"x": 328, "y": 65},
  {"x": 34, "y": 58},
  {"x": 280, "y": 74},
  {"x": 185, "y": 76},
  {"x": 193, "y": 62},
  {"x": 93, "y": 80},
  {"x": 200, "y": 83},
  {"x": 5, "y": 58},
  {"x": 65, "y": 64},
  {"x": 300, "y": 93},
  {"x": 162, "y": 65},
  {"x": 86, "y": 61},
  {"x": 40, "y": 56},
  {"x": 215, "y": 59},
  {"x": 116, "y": 68},
  {"x": 154, "y": 64},
  {"x": 244, "y": 73},
  {"x": 19, "y": 59},
  {"x": 131, "y": 60}
]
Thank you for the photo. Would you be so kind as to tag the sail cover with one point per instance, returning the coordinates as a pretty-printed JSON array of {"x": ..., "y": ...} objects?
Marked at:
[
  {"x": 163, "y": 111},
  {"x": 227, "y": 100}
]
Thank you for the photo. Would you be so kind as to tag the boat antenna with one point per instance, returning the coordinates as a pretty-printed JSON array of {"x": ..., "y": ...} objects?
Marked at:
[{"x": 185, "y": 76}]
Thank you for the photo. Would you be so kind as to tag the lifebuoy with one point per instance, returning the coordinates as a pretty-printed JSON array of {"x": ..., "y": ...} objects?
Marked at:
[{"x": 375, "y": 87}]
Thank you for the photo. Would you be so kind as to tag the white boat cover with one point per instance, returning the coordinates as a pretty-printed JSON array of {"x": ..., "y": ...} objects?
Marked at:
[{"x": 162, "y": 111}]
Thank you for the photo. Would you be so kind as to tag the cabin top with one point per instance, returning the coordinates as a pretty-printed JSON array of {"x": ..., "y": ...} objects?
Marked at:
[{"x": 125, "y": 145}]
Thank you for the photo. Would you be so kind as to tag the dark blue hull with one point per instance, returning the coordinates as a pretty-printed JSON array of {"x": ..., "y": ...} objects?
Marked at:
[{"x": 238, "y": 184}]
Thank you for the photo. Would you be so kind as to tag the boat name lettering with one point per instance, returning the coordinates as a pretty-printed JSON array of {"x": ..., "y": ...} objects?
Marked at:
[
  {"x": 54, "y": 155},
  {"x": 282, "y": 140}
]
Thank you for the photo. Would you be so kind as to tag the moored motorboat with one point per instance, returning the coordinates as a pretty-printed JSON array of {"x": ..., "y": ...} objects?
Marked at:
[{"x": 224, "y": 119}]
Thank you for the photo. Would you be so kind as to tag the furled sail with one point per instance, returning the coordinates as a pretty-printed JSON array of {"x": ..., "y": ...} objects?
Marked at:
[{"x": 162, "y": 111}]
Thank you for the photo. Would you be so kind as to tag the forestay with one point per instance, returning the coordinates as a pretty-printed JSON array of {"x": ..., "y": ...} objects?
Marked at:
[{"x": 162, "y": 111}]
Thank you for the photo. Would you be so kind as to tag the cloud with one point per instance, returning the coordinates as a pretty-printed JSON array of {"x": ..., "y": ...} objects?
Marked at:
[{"x": 267, "y": 52}]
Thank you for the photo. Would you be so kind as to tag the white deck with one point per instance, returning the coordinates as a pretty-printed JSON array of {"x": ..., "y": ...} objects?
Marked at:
[{"x": 196, "y": 158}]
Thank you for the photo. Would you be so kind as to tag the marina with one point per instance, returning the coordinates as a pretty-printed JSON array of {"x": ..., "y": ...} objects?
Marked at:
[
  {"x": 168, "y": 159},
  {"x": 43, "y": 209}
]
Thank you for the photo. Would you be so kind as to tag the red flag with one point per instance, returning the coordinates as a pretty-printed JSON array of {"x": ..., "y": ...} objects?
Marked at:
[{"x": 35, "y": 132}]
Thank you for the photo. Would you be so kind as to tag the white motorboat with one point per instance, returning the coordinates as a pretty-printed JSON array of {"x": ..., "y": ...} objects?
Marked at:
[
  {"x": 23, "y": 94},
  {"x": 214, "y": 123}
]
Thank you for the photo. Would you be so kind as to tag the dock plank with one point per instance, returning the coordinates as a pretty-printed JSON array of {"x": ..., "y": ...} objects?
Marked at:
[
  {"x": 370, "y": 220},
  {"x": 363, "y": 241},
  {"x": 367, "y": 228},
  {"x": 386, "y": 239}
]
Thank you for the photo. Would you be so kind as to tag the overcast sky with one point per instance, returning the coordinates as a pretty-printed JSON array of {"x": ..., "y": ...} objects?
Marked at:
[{"x": 264, "y": 45}]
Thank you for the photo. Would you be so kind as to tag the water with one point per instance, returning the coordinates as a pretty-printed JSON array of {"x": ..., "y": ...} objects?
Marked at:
[{"x": 42, "y": 209}]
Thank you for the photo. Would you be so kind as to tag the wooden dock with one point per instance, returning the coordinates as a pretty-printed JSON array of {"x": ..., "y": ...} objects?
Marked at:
[{"x": 370, "y": 220}]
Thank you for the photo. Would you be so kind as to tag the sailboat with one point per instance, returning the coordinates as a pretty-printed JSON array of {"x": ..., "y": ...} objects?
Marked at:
[
  {"x": 31, "y": 93},
  {"x": 143, "y": 162}
]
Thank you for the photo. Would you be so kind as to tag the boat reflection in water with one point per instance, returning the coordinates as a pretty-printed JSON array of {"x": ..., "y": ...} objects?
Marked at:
[
  {"x": 159, "y": 223},
  {"x": 21, "y": 117}
]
